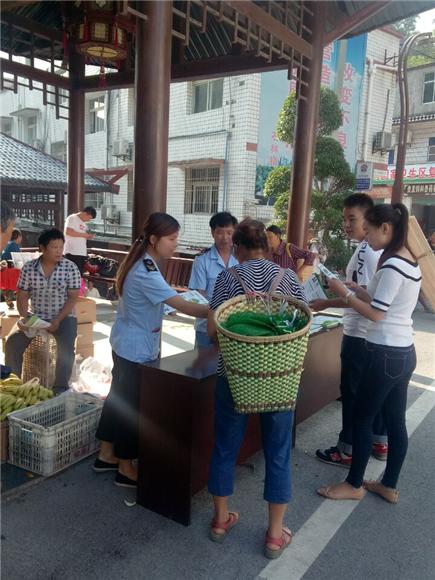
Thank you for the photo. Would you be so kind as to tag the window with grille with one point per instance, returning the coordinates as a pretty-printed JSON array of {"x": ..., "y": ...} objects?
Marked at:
[
  {"x": 31, "y": 129},
  {"x": 6, "y": 125},
  {"x": 429, "y": 88},
  {"x": 131, "y": 107},
  {"x": 95, "y": 199},
  {"x": 201, "y": 190},
  {"x": 207, "y": 95},
  {"x": 431, "y": 149},
  {"x": 58, "y": 150},
  {"x": 96, "y": 114}
]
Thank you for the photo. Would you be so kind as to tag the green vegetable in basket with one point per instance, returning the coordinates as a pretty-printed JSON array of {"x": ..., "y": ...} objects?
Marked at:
[{"x": 259, "y": 324}]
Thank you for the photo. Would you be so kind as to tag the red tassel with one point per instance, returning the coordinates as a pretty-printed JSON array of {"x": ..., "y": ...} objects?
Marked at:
[{"x": 103, "y": 81}]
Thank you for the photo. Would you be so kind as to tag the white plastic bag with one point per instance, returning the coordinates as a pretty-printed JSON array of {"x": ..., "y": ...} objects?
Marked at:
[{"x": 94, "y": 378}]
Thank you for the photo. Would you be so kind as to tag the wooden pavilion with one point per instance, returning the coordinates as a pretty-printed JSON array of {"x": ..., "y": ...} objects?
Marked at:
[{"x": 149, "y": 44}]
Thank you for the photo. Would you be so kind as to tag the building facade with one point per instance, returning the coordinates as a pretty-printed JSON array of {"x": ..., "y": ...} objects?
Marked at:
[{"x": 215, "y": 137}]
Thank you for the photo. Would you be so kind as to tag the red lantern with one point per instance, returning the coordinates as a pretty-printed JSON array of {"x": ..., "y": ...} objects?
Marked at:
[{"x": 102, "y": 35}]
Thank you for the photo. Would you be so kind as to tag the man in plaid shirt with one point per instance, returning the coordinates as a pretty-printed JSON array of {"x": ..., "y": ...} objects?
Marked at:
[
  {"x": 287, "y": 255},
  {"x": 52, "y": 284}
]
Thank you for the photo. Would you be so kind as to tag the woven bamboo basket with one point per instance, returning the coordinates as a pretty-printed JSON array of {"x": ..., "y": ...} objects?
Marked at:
[
  {"x": 39, "y": 360},
  {"x": 263, "y": 372}
]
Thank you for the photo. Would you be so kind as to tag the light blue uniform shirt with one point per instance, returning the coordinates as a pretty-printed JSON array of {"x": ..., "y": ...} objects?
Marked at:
[
  {"x": 136, "y": 333},
  {"x": 206, "y": 268}
]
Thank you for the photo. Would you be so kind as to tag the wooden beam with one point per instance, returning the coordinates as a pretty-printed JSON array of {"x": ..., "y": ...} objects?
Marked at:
[
  {"x": 14, "y": 4},
  {"x": 349, "y": 23},
  {"x": 35, "y": 74},
  {"x": 273, "y": 26},
  {"x": 29, "y": 25},
  {"x": 196, "y": 70}
]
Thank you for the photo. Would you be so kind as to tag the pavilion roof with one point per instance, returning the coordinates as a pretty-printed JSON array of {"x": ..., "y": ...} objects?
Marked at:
[
  {"x": 24, "y": 166},
  {"x": 216, "y": 40}
]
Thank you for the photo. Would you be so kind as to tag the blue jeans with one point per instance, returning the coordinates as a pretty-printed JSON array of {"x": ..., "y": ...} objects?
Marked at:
[
  {"x": 354, "y": 356},
  {"x": 229, "y": 426},
  {"x": 65, "y": 336},
  {"x": 384, "y": 388},
  {"x": 202, "y": 339}
]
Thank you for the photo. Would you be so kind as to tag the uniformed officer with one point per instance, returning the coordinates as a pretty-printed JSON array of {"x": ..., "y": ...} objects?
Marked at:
[
  {"x": 135, "y": 339},
  {"x": 210, "y": 264}
]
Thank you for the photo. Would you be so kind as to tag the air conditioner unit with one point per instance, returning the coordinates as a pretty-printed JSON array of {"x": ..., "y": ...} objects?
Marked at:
[
  {"x": 111, "y": 214},
  {"x": 121, "y": 148},
  {"x": 382, "y": 141}
]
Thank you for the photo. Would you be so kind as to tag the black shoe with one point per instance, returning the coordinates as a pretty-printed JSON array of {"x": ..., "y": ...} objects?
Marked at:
[
  {"x": 334, "y": 456},
  {"x": 100, "y": 466},
  {"x": 124, "y": 481}
]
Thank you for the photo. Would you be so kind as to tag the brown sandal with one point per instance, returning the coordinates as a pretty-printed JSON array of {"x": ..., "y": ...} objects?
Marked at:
[
  {"x": 387, "y": 493},
  {"x": 331, "y": 492},
  {"x": 283, "y": 542},
  {"x": 232, "y": 520}
]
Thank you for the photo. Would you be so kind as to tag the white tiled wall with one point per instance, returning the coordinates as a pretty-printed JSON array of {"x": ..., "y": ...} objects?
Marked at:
[{"x": 383, "y": 94}]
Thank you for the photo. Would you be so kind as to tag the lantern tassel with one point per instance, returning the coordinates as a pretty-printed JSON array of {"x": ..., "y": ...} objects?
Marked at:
[{"x": 103, "y": 81}]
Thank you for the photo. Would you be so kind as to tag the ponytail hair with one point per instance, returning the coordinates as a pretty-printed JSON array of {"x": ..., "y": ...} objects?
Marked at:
[
  {"x": 395, "y": 214},
  {"x": 158, "y": 224}
]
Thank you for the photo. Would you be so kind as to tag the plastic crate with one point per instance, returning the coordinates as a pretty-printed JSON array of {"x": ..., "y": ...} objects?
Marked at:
[{"x": 47, "y": 437}]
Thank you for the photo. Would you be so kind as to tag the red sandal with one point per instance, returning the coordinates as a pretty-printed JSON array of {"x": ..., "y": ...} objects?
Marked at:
[
  {"x": 232, "y": 520},
  {"x": 283, "y": 542}
]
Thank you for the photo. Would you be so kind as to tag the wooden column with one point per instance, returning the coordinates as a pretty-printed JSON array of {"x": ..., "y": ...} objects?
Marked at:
[
  {"x": 153, "y": 78},
  {"x": 305, "y": 133},
  {"x": 76, "y": 134}
]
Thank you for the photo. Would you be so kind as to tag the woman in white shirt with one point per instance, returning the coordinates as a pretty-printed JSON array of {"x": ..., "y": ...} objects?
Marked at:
[{"x": 388, "y": 303}]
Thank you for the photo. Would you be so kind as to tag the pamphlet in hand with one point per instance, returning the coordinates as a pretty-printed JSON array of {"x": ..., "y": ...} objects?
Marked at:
[
  {"x": 326, "y": 272},
  {"x": 190, "y": 296},
  {"x": 34, "y": 326},
  {"x": 313, "y": 289}
]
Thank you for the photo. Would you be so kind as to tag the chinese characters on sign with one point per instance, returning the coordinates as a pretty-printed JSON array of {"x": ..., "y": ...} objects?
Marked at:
[
  {"x": 419, "y": 188},
  {"x": 417, "y": 171}
]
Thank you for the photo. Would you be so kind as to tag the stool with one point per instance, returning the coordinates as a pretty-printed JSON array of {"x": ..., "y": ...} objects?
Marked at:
[{"x": 39, "y": 360}]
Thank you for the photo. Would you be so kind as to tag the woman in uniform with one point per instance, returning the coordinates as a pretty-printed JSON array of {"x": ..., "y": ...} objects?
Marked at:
[{"x": 135, "y": 339}]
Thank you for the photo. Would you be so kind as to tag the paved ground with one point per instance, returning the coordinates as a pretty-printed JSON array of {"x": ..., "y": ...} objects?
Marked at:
[{"x": 76, "y": 525}]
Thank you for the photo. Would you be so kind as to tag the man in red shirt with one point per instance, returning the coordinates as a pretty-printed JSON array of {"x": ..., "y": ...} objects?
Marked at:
[{"x": 288, "y": 255}]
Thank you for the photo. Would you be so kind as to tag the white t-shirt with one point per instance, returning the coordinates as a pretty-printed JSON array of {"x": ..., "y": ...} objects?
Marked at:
[
  {"x": 394, "y": 290},
  {"x": 75, "y": 246},
  {"x": 360, "y": 269}
]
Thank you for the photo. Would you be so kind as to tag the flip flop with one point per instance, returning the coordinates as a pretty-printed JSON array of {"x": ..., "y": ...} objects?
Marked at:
[
  {"x": 283, "y": 543},
  {"x": 232, "y": 520},
  {"x": 328, "y": 492},
  {"x": 387, "y": 493}
]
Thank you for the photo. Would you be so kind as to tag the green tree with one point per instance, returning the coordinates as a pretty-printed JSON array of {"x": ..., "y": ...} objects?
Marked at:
[
  {"x": 330, "y": 116},
  {"x": 333, "y": 178},
  {"x": 407, "y": 26}
]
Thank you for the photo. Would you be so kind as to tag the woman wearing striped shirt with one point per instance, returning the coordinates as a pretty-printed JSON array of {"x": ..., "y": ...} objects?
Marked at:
[
  {"x": 388, "y": 303},
  {"x": 257, "y": 275}
]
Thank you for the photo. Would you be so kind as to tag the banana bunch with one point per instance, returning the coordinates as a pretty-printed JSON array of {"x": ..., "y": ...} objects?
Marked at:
[
  {"x": 15, "y": 395},
  {"x": 10, "y": 381}
]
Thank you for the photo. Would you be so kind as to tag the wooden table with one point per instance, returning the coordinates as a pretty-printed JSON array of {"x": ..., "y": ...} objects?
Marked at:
[{"x": 176, "y": 428}]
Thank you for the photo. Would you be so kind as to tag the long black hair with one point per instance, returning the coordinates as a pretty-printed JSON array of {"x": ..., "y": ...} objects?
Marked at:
[
  {"x": 395, "y": 214},
  {"x": 158, "y": 224}
]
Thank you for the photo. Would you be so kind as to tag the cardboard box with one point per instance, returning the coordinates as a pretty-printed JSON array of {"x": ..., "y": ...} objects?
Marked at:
[
  {"x": 419, "y": 247},
  {"x": 85, "y": 335},
  {"x": 86, "y": 310},
  {"x": 7, "y": 323},
  {"x": 85, "y": 351},
  {"x": 4, "y": 444}
]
